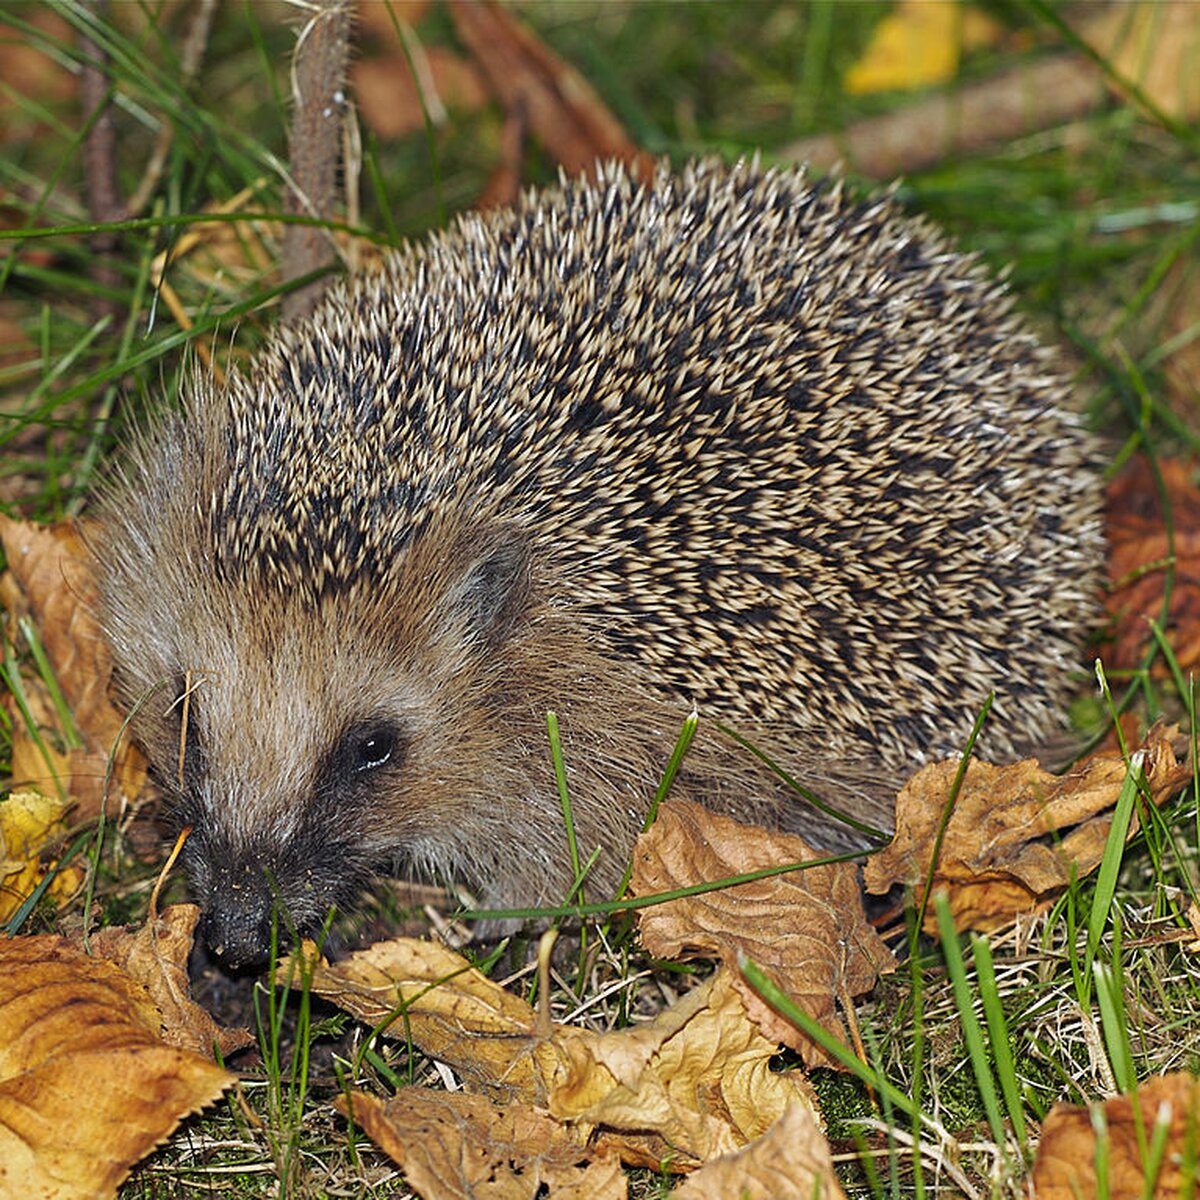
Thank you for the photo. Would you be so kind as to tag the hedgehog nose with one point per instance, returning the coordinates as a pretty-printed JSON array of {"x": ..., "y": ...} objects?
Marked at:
[{"x": 237, "y": 922}]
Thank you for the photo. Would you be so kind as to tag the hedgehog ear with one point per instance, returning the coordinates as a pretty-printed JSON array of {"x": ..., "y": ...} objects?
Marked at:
[{"x": 488, "y": 596}]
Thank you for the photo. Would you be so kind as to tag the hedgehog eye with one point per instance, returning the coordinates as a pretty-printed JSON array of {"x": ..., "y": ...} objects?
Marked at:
[{"x": 372, "y": 748}]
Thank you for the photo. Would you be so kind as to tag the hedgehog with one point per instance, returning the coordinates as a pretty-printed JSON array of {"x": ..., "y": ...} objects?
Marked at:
[{"x": 730, "y": 440}]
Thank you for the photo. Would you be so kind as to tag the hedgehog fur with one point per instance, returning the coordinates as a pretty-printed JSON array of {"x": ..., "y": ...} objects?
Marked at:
[{"x": 734, "y": 440}]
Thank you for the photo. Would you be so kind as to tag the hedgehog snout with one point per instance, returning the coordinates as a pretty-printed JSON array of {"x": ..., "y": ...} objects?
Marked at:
[
  {"x": 237, "y": 920},
  {"x": 249, "y": 896}
]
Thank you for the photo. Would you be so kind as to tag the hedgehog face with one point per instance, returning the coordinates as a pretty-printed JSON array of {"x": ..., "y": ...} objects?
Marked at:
[
  {"x": 323, "y": 739},
  {"x": 282, "y": 780},
  {"x": 285, "y": 847}
]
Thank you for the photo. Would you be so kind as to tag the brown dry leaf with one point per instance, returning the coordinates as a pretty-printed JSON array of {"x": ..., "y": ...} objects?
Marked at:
[
  {"x": 388, "y": 97},
  {"x": 87, "y": 1088},
  {"x": 28, "y": 822},
  {"x": 1018, "y": 834},
  {"x": 156, "y": 956},
  {"x": 1154, "y": 46},
  {"x": 919, "y": 44},
  {"x": 791, "y": 1159},
  {"x": 373, "y": 18},
  {"x": 560, "y": 107},
  {"x": 807, "y": 929},
  {"x": 1065, "y": 1165},
  {"x": 458, "y": 1146},
  {"x": 692, "y": 1083},
  {"x": 49, "y": 565},
  {"x": 1138, "y": 552}
]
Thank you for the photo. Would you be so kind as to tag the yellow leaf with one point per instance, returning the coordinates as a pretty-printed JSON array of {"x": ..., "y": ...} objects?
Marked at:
[
  {"x": 918, "y": 45},
  {"x": 28, "y": 821}
]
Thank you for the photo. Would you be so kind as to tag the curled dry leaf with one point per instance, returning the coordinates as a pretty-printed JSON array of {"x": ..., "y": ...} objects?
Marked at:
[
  {"x": 791, "y": 1159},
  {"x": 456, "y": 1146},
  {"x": 807, "y": 928},
  {"x": 694, "y": 1082},
  {"x": 394, "y": 104},
  {"x": 29, "y": 821},
  {"x": 156, "y": 956},
  {"x": 1065, "y": 1165},
  {"x": 1017, "y": 835},
  {"x": 49, "y": 565},
  {"x": 1138, "y": 554},
  {"x": 452, "y": 1011},
  {"x": 86, "y": 1085}
]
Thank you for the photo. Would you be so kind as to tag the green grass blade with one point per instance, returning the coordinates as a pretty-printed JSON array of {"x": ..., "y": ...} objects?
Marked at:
[
  {"x": 998, "y": 1037},
  {"x": 778, "y": 999},
  {"x": 971, "y": 1030},
  {"x": 1110, "y": 864},
  {"x": 564, "y": 799}
]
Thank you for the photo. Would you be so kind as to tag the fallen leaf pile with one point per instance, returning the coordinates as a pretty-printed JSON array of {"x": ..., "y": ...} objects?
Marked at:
[
  {"x": 88, "y": 1084},
  {"x": 49, "y": 581},
  {"x": 1017, "y": 835},
  {"x": 692, "y": 1086},
  {"x": 689, "y": 1085}
]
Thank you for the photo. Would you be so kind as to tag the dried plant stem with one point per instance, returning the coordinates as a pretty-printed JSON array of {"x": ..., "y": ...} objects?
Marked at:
[{"x": 318, "y": 79}]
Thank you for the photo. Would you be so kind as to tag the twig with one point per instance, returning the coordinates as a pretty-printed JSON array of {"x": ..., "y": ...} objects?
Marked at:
[
  {"x": 314, "y": 147},
  {"x": 992, "y": 111}
]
